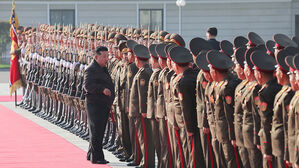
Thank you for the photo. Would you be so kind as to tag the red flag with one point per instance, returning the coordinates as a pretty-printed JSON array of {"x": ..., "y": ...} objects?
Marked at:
[{"x": 15, "y": 81}]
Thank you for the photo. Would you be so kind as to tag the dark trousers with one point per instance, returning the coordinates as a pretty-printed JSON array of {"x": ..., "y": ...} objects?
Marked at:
[
  {"x": 255, "y": 157},
  {"x": 125, "y": 138},
  {"x": 147, "y": 148},
  {"x": 134, "y": 141},
  {"x": 207, "y": 149},
  {"x": 165, "y": 138},
  {"x": 97, "y": 116}
]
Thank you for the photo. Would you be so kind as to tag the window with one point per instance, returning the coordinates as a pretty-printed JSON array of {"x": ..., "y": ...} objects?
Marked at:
[
  {"x": 62, "y": 16},
  {"x": 152, "y": 18},
  {"x": 297, "y": 25}
]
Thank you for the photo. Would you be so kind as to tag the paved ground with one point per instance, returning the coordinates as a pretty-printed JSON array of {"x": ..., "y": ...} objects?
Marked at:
[{"x": 4, "y": 76}]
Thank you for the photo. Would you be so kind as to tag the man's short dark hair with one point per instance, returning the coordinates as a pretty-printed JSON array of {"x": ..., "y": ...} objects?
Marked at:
[
  {"x": 99, "y": 49},
  {"x": 212, "y": 31}
]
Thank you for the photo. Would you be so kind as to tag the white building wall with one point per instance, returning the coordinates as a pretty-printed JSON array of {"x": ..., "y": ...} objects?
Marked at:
[
  {"x": 295, "y": 11},
  {"x": 27, "y": 14},
  {"x": 231, "y": 17},
  {"x": 122, "y": 15}
]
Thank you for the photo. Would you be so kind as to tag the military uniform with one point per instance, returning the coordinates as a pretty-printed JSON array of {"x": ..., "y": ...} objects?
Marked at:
[
  {"x": 238, "y": 120},
  {"x": 251, "y": 123},
  {"x": 131, "y": 72},
  {"x": 184, "y": 107},
  {"x": 166, "y": 150},
  {"x": 138, "y": 107},
  {"x": 281, "y": 106},
  {"x": 266, "y": 95},
  {"x": 291, "y": 138},
  {"x": 224, "y": 103},
  {"x": 152, "y": 98},
  {"x": 296, "y": 65}
]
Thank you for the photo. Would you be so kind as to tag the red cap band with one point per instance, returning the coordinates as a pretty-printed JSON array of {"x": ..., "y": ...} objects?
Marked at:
[
  {"x": 278, "y": 46},
  {"x": 270, "y": 53},
  {"x": 251, "y": 44}
]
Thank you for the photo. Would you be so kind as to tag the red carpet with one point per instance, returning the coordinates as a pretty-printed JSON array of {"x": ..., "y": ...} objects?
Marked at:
[
  {"x": 24, "y": 144},
  {"x": 10, "y": 99}
]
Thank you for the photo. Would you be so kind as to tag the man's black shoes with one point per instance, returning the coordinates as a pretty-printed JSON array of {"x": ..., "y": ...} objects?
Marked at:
[{"x": 100, "y": 162}]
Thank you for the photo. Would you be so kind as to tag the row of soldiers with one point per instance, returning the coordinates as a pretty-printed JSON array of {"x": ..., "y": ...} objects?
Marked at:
[{"x": 212, "y": 105}]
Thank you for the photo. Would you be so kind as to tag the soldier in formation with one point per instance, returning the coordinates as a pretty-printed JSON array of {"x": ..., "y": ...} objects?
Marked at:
[{"x": 210, "y": 104}]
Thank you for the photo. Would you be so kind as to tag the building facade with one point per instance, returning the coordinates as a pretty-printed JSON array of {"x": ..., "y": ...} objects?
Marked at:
[{"x": 231, "y": 17}]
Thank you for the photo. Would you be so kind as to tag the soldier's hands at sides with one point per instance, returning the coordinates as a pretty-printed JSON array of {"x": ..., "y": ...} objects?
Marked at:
[
  {"x": 290, "y": 164},
  {"x": 268, "y": 157},
  {"x": 234, "y": 143},
  {"x": 143, "y": 115},
  {"x": 259, "y": 147},
  {"x": 107, "y": 92},
  {"x": 206, "y": 130},
  {"x": 190, "y": 133}
]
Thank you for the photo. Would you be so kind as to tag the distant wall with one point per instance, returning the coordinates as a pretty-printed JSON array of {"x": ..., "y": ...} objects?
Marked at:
[{"x": 232, "y": 18}]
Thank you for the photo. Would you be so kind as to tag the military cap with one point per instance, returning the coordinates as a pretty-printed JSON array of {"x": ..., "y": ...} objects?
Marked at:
[
  {"x": 289, "y": 60},
  {"x": 131, "y": 44},
  {"x": 92, "y": 34},
  {"x": 280, "y": 59},
  {"x": 282, "y": 41},
  {"x": 111, "y": 36},
  {"x": 296, "y": 40},
  {"x": 118, "y": 38},
  {"x": 269, "y": 46},
  {"x": 247, "y": 56},
  {"x": 296, "y": 62},
  {"x": 177, "y": 39},
  {"x": 226, "y": 47},
  {"x": 240, "y": 41},
  {"x": 117, "y": 29},
  {"x": 123, "y": 47},
  {"x": 99, "y": 33},
  {"x": 180, "y": 55},
  {"x": 219, "y": 60},
  {"x": 198, "y": 44},
  {"x": 20, "y": 29},
  {"x": 27, "y": 29},
  {"x": 106, "y": 35},
  {"x": 201, "y": 61},
  {"x": 85, "y": 34},
  {"x": 129, "y": 32},
  {"x": 137, "y": 33},
  {"x": 148, "y": 34},
  {"x": 292, "y": 50},
  {"x": 123, "y": 31},
  {"x": 144, "y": 33},
  {"x": 154, "y": 35},
  {"x": 106, "y": 28},
  {"x": 240, "y": 55},
  {"x": 262, "y": 61},
  {"x": 167, "y": 38},
  {"x": 141, "y": 52},
  {"x": 152, "y": 49},
  {"x": 168, "y": 47},
  {"x": 254, "y": 39},
  {"x": 160, "y": 50},
  {"x": 162, "y": 35}
]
